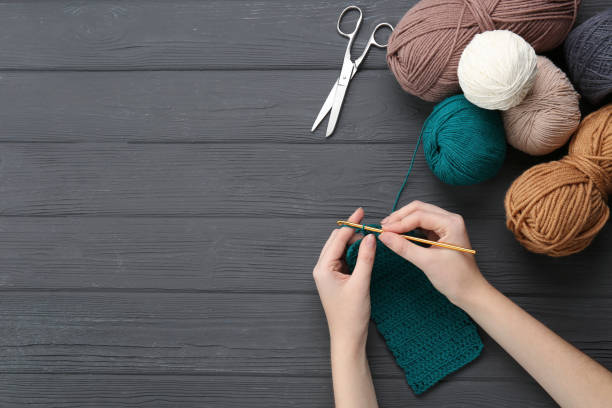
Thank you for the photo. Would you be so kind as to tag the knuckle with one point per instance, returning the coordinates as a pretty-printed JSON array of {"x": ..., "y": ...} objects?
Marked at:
[
  {"x": 405, "y": 246},
  {"x": 418, "y": 214},
  {"x": 402, "y": 249},
  {"x": 457, "y": 220},
  {"x": 417, "y": 204}
]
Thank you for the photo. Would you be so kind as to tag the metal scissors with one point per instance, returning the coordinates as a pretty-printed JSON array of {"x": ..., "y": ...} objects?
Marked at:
[{"x": 334, "y": 100}]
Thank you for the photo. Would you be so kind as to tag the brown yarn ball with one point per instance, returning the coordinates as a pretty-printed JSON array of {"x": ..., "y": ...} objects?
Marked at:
[
  {"x": 548, "y": 115},
  {"x": 425, "y": 47},
  {"x": 557, "y": 208}
]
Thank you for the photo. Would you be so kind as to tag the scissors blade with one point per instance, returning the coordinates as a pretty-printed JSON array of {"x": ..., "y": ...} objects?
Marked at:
[
  {"x": 341, "y": 88},
  {"x": 327, "y": 105},
  {"x": 348, "y": 70},
  {"x": 335, "y": 112}
]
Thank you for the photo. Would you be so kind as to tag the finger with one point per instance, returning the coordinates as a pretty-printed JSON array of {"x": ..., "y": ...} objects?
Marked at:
[
  {"x": 408, "y": 209},
  {"x": 357, "y": 216},
  {"x": 406, "y": 249},
  {"x": 327, "y": 243},
  {"x": 341, "y": 239},
  {"x": 431, "y": 221},
  {"x": 365, "y": 261}
]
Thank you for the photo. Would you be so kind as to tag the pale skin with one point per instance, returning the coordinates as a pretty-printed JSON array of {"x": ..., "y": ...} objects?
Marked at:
[{"x": 569, "y": 376}]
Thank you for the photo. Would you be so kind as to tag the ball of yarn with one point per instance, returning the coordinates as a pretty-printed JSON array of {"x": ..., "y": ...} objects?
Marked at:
[
  {"x": 497, "y": 69},
  {"x": 463, "y": 143},
  {"x": 425, "y": 47},
  {"x": 588, "y": 53},
  {"x": 557, "y": 208},
  {"x": 548, "y": 115}
]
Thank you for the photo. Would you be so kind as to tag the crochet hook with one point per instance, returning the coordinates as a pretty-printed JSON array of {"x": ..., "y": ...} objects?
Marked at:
[{"x": 408, "y": 237}]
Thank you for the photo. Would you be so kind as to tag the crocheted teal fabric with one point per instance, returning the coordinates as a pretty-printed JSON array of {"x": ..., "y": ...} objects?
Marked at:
[{"x": 428, "y": 335}]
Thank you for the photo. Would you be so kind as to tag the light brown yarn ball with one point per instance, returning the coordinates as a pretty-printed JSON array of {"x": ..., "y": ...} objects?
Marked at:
[
  {"x": 557, "y": 208},
  {"x": 548, "y": 115}
]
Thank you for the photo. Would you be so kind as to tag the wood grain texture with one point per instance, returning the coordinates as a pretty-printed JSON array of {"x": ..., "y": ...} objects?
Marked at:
[
  {"x": 235, "y": 391},
  {"x": 239, "y": 334},
  {"x": 231, "y": 180},
  {"x": 198, "y": 35},
  {"x": 147, "y": 257},
  {"x": 203, "y": 107},
  {"x": 247, "y": 255}
]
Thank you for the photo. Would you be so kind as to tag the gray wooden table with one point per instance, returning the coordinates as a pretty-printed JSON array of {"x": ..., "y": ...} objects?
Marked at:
[{"x": 162, "y": 203}]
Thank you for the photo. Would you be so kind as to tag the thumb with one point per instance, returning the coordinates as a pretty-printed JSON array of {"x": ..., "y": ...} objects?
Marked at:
[
  {"x": 404, "y": 248},
  {"x": 365, "y": 260}
]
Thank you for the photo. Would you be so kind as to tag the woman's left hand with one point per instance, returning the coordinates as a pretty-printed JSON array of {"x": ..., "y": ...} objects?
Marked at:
[{"x": 346, "y": 298}]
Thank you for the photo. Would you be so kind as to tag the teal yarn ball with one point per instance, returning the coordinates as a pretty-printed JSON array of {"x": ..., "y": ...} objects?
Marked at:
[{"x": 463, "y": 144}]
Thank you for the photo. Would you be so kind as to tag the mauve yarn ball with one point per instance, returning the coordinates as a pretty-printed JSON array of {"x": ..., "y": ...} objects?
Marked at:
[
  {"x": 463, "y": 143},
  {"x": 548, "y": 115},
  {"x": 425, "y": 47},
  {"x": 497, "y": 69},
  {"x": 588, "y": 53}
]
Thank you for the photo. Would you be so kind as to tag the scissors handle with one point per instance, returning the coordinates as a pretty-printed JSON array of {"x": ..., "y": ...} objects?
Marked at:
[
  {"x": 351, "y": 35},
  {"x": 372, "y": 41},
  {"x": 346, "y": 10}
]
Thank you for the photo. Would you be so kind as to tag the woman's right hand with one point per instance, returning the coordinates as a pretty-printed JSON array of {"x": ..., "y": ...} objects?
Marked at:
[
  {"x": 455, "y": 274},
  {"x": 570, "y": 377}
]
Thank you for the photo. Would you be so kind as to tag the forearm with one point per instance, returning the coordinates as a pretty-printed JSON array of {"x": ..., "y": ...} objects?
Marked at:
[
  {"x": 569, "y": 376},
  {"x": 351, "y": 377}
]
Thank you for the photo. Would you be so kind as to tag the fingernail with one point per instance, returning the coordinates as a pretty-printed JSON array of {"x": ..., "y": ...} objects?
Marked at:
[
  {"x": 384, "y": 220},
  {"x": 370, "y": 241}
]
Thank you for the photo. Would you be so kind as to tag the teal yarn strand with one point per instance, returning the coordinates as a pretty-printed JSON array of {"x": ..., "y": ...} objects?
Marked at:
[
  {"x": 463, "y": 144},
  {"x": 399, "y": 193}
]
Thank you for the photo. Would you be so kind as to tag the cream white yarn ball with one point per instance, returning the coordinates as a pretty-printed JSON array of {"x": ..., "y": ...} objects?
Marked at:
[{"x": 497, "y": 69}]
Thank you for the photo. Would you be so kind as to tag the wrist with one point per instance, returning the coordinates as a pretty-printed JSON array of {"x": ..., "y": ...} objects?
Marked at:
[
  {"x": 474, "y": 295},
  {"x": 347, "y": 348},
  {"x": 348, "y": 356}
]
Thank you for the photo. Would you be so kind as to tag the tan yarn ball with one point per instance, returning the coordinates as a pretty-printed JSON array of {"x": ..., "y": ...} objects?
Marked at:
[
  {"x": 548, "y": 115},
  {"x": 557, "y": 208}
]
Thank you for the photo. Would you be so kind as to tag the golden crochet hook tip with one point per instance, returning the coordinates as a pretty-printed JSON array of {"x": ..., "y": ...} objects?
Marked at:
[{"x": 408, "y": 237}]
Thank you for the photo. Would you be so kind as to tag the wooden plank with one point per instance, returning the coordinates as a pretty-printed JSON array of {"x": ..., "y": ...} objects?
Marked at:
[
  {"x": 135, "y": 35},
  {"x": 239, "y": 182},
  {"x": 234, "y": 334},
  {"x": 234, "y": 180},
  {"x": 240, "y": 391},
  {"x": 202, "y": 107},
  {"x": 181, "y": 35},
  {"x": 247, "y": 255}
]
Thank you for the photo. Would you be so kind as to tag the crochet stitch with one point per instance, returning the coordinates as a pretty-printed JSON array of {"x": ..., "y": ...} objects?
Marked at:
[{"x": 429, "y": 336}]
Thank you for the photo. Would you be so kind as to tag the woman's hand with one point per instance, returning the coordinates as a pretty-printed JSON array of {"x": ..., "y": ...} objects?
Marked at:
[
  {"x": 454, "y": 274},
  {"x": 346, "y": 298},
  {"x": 570, "y": 377}
]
